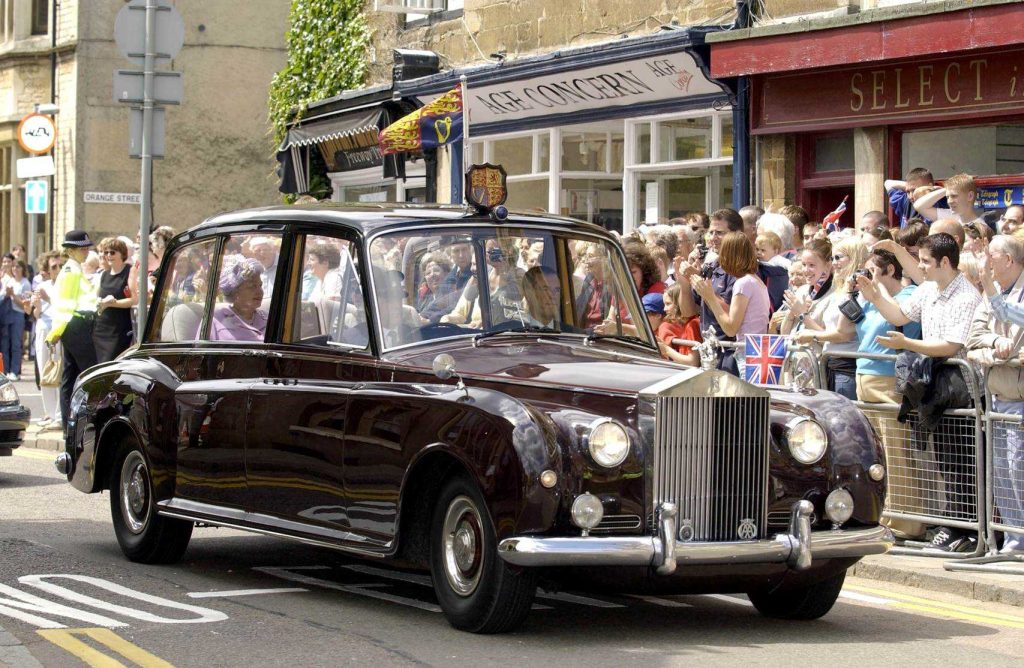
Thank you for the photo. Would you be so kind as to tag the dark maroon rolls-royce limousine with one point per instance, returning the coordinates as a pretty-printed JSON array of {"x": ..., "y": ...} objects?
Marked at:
[{"x": 471, "y": 393}]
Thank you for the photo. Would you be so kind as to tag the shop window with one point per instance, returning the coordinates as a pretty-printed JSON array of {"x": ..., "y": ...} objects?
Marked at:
[
  {"x": 833, "y": 153},
  {"x": 642, "y": 154},
  {"x": 596, "y": 201},
  {"x": 684, "y": 139},
  {"x": 515, "y": 155},
  {"x": 439, "y": 9},
  {"x": 981, "y": 150},
  {"x": 542, "y": 150},
  {"x": 678, "y": 164},
  {"x": 592, "y": 152}
]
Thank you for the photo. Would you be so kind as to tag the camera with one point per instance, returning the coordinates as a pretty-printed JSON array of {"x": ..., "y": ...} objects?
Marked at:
[
  {"x": 495, "y": 255},
  {"x": 851, "y": 308}
]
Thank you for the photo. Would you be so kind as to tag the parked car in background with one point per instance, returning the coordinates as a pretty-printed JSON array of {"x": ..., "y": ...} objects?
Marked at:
[
  {"x": 14, "y": 418},
  {"x": 394, "y": 382}
]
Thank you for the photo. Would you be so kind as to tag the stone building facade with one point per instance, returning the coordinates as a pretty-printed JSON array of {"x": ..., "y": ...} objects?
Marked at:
[{"x": 218, "y": 153}]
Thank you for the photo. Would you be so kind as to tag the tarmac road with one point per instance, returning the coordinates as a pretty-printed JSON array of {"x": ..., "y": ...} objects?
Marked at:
[{"x": 244, "y": 600}]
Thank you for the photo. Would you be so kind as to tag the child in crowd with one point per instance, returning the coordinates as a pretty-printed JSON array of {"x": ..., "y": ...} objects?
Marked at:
[
  {"x": 769, "y": 249},
  {"x": 796, "y": 275},
  {"x": 680, "y": 321}
]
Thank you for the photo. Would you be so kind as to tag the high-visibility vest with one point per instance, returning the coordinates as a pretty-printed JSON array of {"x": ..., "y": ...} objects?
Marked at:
[{"x": 72, "y": 293}]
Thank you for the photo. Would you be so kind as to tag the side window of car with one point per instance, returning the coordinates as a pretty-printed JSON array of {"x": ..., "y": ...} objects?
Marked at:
[
  {"x": 328, "y": 307},
  {"x": 244, "y": 289},
  {"x": 181, "y": 304}
]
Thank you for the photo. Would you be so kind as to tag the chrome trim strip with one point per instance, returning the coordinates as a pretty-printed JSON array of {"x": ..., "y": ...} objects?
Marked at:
[{"x": 242, "y": 519}]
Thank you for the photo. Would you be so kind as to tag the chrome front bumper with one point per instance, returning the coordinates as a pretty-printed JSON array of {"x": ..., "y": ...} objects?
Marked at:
[{"x": 797, "y": 548}]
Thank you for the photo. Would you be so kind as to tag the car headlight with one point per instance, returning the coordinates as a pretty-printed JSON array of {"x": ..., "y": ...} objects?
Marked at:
[
  {"x": 807, "y": 440},
  {"x": 8, "y": 395},
  {"x": 607, "y": 442}
]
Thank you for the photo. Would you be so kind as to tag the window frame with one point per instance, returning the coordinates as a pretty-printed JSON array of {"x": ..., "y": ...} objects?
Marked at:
[
  {"x": 156, "y": 312},
  {"x": 297, "y": 253}
]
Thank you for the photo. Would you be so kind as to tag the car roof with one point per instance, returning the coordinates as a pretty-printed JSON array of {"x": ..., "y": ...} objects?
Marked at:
[{"x": 367, "y": 219}]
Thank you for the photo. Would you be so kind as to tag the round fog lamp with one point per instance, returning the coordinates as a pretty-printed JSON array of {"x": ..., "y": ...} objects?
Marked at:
[
  {"x": 876, "y": 472},
  {"x": 839, "y": 506},
  {"x": 807, "y": 440},
  {"x": 587, "y": 511},
  {"x": 608, "y": 443},
  {"x": 548, "y": 478}
]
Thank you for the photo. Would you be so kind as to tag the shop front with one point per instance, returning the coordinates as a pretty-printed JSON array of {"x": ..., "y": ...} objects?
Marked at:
[
  {"x": 618, "y": 134},
  {"x": 909, "y": 100}
]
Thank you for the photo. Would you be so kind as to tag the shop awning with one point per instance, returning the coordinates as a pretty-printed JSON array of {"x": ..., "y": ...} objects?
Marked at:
[{"x": 346, "y": 139}]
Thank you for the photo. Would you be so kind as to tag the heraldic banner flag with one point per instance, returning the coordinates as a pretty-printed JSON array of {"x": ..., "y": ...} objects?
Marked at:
[
  {"x": 436, "y": 124},
  {"x": 765, "y": 354}
]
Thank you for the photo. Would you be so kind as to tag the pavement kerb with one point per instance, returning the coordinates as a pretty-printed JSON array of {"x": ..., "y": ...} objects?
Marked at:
[
  {"x": 927, "y": 573},
  {"x": 44, "y": 439}
]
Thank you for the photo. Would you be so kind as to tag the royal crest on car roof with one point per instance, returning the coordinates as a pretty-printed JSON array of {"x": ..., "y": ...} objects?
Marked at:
[{"x": 486, "y": 186}]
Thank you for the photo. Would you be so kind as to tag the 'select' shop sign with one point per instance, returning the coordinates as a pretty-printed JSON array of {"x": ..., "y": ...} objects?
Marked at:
[
  {"x": 951, "y": 87},
  {"x": 630, "y": 82}
]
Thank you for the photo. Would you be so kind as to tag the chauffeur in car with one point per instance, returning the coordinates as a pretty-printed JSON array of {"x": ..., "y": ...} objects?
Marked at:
[{"x": 496, "y": 453}]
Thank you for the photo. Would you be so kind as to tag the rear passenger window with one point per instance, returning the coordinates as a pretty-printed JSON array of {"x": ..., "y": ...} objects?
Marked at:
[
  {"x": 181, "y": 304},
  {"x": 244, "y": 289},
  {"x": 329, "y": 308}
]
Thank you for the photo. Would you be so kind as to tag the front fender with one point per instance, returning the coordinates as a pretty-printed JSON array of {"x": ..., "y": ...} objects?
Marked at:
[
  {"x": 853, "y": 447},
  {"x": 501, "y": 442}
]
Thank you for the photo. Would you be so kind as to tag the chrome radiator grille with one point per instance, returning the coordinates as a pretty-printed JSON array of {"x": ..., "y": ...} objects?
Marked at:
[{"x": 711, "y": 459}]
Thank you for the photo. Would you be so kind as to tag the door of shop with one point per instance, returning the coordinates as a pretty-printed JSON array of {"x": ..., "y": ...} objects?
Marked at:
[{"x": 824, "y": 174}]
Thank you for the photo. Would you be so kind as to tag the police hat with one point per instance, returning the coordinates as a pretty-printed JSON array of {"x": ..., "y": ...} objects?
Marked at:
[{"x": 77, "y": 239}]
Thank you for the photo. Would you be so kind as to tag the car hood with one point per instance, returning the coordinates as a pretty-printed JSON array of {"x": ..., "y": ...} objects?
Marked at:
[{"x": 604, "y": 366}]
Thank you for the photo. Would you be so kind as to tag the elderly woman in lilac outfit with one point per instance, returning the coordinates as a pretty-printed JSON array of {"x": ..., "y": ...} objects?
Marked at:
[{"x": 242, "y": 319}]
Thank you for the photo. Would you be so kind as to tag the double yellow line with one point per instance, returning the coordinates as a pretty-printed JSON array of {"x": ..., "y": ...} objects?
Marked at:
[
  {"x": 70, "y": 641},
  {"x": 940, "y": 609}
]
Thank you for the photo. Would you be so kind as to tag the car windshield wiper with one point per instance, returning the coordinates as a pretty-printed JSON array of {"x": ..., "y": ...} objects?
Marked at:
[
  {"x": 625, "y": 338},
  {"x": 523, "y": 329}
]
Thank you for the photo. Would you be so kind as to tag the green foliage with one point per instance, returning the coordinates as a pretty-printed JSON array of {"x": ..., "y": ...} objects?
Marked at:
[{"x": 327, "y": 44}]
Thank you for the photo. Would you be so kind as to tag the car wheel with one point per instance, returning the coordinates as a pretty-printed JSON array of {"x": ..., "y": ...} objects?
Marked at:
[
  {"x": 810, "y": 602},
  {"x": 477, "y": 590},
  {"x": 144, "y": 536}
]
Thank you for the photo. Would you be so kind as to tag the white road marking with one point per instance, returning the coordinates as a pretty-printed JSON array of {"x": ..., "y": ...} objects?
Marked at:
[
  {"x": 42, "y": 582},
  {"x": 730, "y": 599},
  {"x": 663, "y": 602},
  {"x": 577, "y": 599},
  {"x": 864, "y": 598},
  {"x": 360, "y": 590},
  {"x": 20, "y": 601},
  {"x": 244, "y": 592}
]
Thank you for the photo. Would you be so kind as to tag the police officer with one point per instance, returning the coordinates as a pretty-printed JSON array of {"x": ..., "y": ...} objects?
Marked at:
[{"x": 74, "y": 312}]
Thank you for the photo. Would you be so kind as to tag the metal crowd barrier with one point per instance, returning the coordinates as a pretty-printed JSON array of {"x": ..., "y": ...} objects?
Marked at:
[
  {"x": 936, "y": 478},
  {"x": 1005, "y": 433}
]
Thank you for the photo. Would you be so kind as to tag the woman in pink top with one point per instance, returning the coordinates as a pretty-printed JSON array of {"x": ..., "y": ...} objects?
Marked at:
[{"x": 749, "y": 310}]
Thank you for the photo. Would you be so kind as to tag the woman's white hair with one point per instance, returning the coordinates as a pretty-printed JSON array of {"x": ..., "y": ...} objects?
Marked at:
[{"x": 780, "y": 225}]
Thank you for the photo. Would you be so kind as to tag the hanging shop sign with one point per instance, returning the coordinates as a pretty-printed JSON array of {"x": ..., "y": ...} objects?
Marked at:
[
  {"x": 964, "y": 86},
  {"x": 628, "y": 82}
]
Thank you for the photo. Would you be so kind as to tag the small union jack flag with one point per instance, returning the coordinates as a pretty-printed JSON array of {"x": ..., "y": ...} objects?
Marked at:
[
  {"x": 765, "y": 354},
  {"x": 831, "y": 221}
]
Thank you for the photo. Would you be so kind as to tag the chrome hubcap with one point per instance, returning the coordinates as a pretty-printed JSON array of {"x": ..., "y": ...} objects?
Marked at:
[
  {"x": 463, "y": 546},
  {"x": 135, "y": 492}
]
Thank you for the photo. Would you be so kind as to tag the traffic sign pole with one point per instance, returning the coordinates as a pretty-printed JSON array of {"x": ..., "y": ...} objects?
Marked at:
[{"x": 148, "y": 67}]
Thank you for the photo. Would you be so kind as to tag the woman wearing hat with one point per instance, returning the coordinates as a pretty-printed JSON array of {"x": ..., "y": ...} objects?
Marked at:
[
  {"x": 242, "y": 319},
  {"x": 74, "y": 312}
]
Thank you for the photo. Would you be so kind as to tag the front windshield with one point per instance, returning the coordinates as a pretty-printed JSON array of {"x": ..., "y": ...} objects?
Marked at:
[{"x": 450, "y": 282}]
